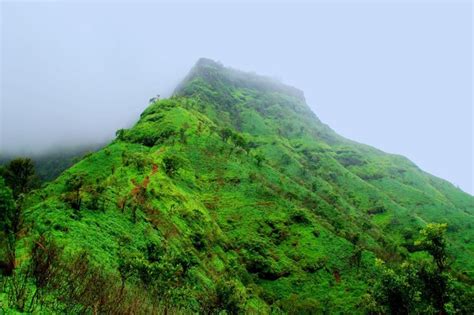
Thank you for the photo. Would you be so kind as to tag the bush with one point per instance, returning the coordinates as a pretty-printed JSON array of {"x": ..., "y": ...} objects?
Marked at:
[
  {"x": 258, "y": 260},
  {"x": 75, "y": 285},
  {"x": 199, "y": 240},
  {"x": 9, "y": 226},
  {"x": 95, "y": 200},
  {"x": 278, "y": 231},
  {"x": 135, "y": 159},
  {"x": 314, "y": 265},
  {"x": 376, "y": 210},
  {"x": 172, "y": 164},
  {"x": 73, "y": 186},
  {"x": 297, "y": 305},
  {"x": 228, "y": 296},
  {"x": 259, "y": 159},
  {"x": 299, "y": 216}
]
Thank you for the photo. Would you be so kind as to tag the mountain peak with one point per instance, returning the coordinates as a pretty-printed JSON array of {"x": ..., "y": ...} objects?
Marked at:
[
  {"x": 206, "y": 62},
  {"x": 213, "y": 73}
]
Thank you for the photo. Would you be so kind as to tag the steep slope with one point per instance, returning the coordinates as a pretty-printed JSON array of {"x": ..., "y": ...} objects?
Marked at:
[
  {"x": 391, "y": 189},
  {"x": 233, "y": 195}
]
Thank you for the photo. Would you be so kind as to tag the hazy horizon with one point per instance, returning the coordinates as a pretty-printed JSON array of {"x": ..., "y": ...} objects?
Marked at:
[{"x": 393, "y": 75}]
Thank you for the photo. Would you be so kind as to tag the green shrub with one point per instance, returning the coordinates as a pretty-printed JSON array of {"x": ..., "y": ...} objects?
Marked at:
[
  {"x": 297, "y": 305},
  {"x": 299, "y": 216},
  {"x": 172, "y": 164},
  {"x": 73, "y": 186}
]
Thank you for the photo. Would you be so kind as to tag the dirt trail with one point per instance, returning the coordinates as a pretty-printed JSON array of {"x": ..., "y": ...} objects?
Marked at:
[{"x": 146, "y": 181}]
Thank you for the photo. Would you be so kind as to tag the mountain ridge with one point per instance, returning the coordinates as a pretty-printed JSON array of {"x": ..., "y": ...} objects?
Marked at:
[{"x": 240, "y": 78}]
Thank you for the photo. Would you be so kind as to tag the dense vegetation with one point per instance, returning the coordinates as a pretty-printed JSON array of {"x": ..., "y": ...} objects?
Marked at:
[{"x": 231, "y": 196}]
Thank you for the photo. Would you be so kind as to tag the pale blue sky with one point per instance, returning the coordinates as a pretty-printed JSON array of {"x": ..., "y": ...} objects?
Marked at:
[{"x": 393, "y": 74}]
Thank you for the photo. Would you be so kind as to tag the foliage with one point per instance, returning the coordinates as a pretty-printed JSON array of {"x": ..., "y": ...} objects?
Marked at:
[
  {"x": 20, "y": 176},
  {"x": 9, "y": 221},
  {"x": 72, "y": 285},
  {"x": 231, "y": 196},
  {"x": 420, "y": 287},
  {"x": 172, "y": 164},
  {"x": 7, "y": 207},
  {"x": 73, "y": 186},
  {"x": 434, "y": 242}
]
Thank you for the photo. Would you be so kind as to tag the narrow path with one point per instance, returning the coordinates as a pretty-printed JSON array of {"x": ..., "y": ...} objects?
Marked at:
[{"x": 138, "y": 187}]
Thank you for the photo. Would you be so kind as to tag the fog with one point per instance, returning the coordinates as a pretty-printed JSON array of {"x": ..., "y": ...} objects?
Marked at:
[{"x": 395, "y": 75}]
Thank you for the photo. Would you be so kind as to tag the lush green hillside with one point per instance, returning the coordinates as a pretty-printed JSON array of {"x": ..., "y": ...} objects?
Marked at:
[{"x": 232, "y": 195}]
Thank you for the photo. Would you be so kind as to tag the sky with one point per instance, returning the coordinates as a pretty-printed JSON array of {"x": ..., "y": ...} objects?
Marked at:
[{"x": 396, "y": 75}]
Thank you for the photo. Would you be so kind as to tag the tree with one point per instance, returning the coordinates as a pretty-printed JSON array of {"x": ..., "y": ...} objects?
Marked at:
[
  {"x": 120, "y": 134},
  {"x": 239, "y": 140},
  {"x": 225, "y": 134},
  {"x": 20, "y": 176},
  {"x": 420, "y": 286},
  {"x": 432, "y": 239},
  {"x": 396, "y": 290},
  {"x": 7, "y": 206},
  {"x": 8, "y": 219},
  {"x": 436, "y": 280},
  {"x": 73, "y": 186}
]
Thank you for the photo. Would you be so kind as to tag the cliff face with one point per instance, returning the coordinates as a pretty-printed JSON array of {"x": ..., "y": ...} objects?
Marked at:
[{"x": 233, "y": 195}]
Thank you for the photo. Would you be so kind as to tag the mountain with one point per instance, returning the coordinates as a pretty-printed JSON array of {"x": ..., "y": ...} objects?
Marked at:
[{"x": 231, "y": 195}]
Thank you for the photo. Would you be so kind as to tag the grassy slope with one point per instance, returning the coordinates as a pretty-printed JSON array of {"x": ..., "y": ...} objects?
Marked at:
[{"x": 285, "y": 228}]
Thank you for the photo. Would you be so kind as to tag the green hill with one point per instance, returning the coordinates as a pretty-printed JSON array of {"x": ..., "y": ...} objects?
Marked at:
[{"x": 230, "y": 195}]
